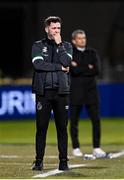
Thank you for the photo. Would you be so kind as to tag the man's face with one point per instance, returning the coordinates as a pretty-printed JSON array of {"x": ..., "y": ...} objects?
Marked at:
[
  {"x": 53, "y": 29},
  {"x": 80, "y": 40}
]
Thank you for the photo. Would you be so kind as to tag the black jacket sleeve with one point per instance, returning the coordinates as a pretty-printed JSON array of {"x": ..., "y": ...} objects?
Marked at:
[
  {"x": 85, "y": 70},
  {"x": 65, "y": 54},
  {"x": 39, "y": 63},
  {"x": 96, "y": 63}
]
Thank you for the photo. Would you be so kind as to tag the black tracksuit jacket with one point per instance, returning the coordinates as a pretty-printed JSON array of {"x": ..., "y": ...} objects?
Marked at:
[{"x": 48, "y": 59}]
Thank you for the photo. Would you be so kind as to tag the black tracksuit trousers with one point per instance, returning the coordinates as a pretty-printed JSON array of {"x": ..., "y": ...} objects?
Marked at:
[
  {"x": 93, "y": 112},
  {"x": 44, "y": 104}
]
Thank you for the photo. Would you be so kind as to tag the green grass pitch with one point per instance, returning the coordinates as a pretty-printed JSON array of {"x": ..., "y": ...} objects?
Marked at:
[{"x": 17, "y": 150}]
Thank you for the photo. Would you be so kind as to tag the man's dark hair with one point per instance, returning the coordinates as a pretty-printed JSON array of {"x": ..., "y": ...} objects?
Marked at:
[
  {"x": 78, "y": 31},
  {"x": 53, "y": 19}
]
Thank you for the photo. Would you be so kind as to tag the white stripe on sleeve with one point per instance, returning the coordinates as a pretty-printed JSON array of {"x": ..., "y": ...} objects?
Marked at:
[
  {"x": 69, "y": 55},
  {"x": 36, "y": 58}
]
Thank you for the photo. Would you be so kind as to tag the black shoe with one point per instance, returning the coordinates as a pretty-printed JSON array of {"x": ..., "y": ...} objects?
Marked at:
[
  {"x": 63, "y": 165},
  {"x": 37, "y": 165}
]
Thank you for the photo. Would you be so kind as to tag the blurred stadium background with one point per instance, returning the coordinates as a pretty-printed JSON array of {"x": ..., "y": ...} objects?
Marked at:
[{"x": 22, "y": 24}]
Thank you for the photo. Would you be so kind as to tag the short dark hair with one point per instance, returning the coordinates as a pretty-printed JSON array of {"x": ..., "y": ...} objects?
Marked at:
[
  {"x": 77, "y": 31},
  {"x": 53, "y": 19}
]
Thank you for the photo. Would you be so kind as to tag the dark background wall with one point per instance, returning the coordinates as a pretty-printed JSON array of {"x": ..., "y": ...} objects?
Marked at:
[{"x": 22, "y": 24}]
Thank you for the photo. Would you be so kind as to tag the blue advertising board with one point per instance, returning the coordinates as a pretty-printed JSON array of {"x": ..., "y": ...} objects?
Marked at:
[{"x": 18, "y": 102}]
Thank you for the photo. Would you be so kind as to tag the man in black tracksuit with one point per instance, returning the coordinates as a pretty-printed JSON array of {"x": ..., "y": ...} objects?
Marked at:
[
  {"x": 51, "y": 58},
  {"x": 84, "y": 69}
]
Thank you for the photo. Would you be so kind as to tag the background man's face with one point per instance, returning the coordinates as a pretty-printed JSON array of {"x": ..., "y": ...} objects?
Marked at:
[
  {"x": 80, "y": 40},
  {"x": 53, "y": 29}
]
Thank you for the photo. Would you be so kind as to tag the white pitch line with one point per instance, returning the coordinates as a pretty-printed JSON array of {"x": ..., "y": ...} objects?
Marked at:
[
  {"x": 18, "y": 156},
  {"x": 112, "y": 155},
  {"x": 56, "y": 157},
  {"x": 14, "y": 163},
  {"x": 5, "y": 156},
  {"x": 109, "y": 155},
  {"x": 9, "y": 156},
  {"x": 56, "y": 171},
  {"x": 50, "y": 173},
  {"x": 28, "y": 164},
  {"x": 116, "y": 155}
]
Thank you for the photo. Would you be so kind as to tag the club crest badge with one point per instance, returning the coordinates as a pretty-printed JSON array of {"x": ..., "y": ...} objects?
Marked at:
[
  {"x": 66, "y": 107},
  {"x": 39, "y": 106}
]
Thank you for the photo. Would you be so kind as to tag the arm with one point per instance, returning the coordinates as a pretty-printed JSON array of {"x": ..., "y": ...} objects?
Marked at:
[
  {"x": 91, "y": 69},
  {"x": 78, "y": 70},
  {"x": 65, "y": 54},
  {"x": 40, "y": 64},
  {"x": 96, "y": 64},
  {"x": 64, "y": 50}
]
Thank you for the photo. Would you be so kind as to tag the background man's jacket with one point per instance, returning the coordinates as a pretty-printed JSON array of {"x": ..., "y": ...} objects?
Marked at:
[
  {"x": 45, "y": 63},
  {"x": 83, "y": 82}
]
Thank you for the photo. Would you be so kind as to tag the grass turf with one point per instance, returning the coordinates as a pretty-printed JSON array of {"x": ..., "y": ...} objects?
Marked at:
[{"x": 17, "y": 138}]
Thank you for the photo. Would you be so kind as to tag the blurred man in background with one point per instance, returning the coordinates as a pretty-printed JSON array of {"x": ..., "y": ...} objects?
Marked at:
[
  {"x": 51, "y": 58},
  {"x": 84, "y": 69}
]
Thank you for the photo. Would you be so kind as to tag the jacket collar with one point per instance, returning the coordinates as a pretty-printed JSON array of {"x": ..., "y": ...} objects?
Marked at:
[
  {"x": 50, "y": 41},
  {"x": 77, "y": 50}
]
